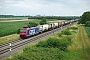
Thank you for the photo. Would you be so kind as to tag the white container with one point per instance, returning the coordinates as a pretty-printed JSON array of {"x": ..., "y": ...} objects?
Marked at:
[
  {"x": 43, "y": 27},
  {"x": 55, "y": 24}
]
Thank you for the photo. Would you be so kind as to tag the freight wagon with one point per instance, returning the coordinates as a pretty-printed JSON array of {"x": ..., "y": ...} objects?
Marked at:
[
  {"x": 56, "y": 25},
  {"x": 59, "y": 24},
  {"x": 43, "y": 27},
  {"x": 50, "y": 26}
]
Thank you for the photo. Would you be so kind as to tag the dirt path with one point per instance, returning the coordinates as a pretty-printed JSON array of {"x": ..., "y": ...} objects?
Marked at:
[
  {"x": 85, "y": 42},
  {"x": 13, "y": 20}
]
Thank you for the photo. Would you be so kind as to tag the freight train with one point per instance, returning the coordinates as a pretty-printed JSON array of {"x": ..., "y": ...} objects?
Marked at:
[{"x": 27, "y": 32}]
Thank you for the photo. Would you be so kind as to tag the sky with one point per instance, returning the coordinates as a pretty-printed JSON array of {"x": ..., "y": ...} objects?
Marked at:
[{"x": 44, "y": 7}]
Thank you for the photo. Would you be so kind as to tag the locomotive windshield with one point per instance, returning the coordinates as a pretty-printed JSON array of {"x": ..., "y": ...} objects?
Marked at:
[{"x": 22, "y": 30}]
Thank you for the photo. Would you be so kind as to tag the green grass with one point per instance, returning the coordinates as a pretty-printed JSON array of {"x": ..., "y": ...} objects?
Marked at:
[
  {"x": 8, "y": 28},
  {"x": 74, "y": 55},
  {"x": 87, "y": 30}
]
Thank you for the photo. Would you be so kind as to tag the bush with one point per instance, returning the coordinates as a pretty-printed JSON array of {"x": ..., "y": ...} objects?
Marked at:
[
  {"x": 73, "y": 28},
  {"x": 32, "y": 24},
  {"x": 20, "y": 57},
  {"x": 87, "y": 24},
  {"x": 66, "y": 32},
  {"x": 55, "y": 43},
  {"x": 43, "y": 21},
  {"x": 64, "y": 42},
  {"x": 59, "y": 34},
  {"x": 49, "y": 43},
  {"x": 39, "y": 54}
]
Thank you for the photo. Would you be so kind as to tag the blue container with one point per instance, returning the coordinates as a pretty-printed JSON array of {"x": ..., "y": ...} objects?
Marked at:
[{"x": 33, "y": 31}]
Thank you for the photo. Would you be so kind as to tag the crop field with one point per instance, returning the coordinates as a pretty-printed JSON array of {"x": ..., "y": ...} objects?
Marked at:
[{"x": 7, "y": 28}]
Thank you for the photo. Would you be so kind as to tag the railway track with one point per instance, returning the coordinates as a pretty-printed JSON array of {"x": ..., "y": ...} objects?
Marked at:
[{"x": 20, "y": 44}]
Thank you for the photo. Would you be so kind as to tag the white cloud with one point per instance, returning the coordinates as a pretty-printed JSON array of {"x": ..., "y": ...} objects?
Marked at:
[
  {"x": 0, "y": 7},
  {"x": 8, "y": 1},
  {"x": 45, "y": 7},
  {"x": 7, "y": 7}
]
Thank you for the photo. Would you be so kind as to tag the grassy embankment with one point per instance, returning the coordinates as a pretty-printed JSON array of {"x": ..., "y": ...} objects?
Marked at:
[
  {"x": 9, "y": 38},
  {"x": 52, "y": 48},
  {"x": 81, "y": 45}
]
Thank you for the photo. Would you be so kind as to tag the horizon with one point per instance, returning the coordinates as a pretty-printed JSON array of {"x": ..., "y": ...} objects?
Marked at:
[{"x": 37, "y": 15}]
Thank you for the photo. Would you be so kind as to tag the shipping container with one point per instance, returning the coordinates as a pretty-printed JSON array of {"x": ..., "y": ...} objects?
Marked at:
[
  {"x": 33, "y": 31},
  {"x": 40, "y": 28},
  {"x": 55, "y": 24},
  {"x": 43, "y": 27}
]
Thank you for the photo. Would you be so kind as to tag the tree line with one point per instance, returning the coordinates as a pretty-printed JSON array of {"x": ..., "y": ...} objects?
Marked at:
[
  {"x": 11, "y": 16},
  {"x": 85, "y": 19},
  {"x": 55, "y": 17},
  {"x": 41, "y": 17}
]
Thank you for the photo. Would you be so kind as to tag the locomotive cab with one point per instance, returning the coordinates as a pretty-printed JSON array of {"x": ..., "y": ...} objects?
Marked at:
[{"x": 23, "y": 32}]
